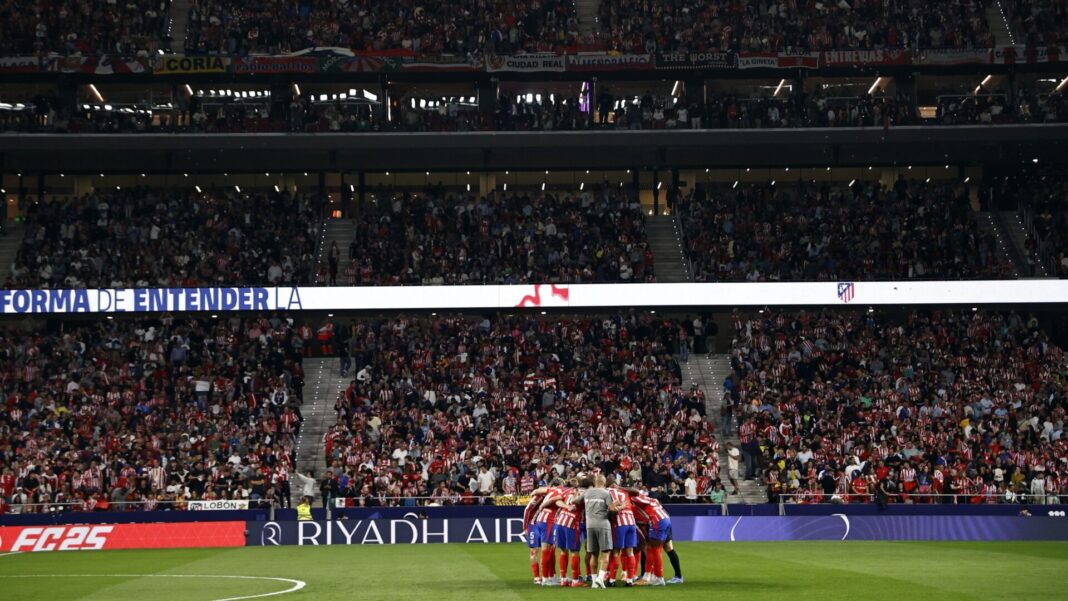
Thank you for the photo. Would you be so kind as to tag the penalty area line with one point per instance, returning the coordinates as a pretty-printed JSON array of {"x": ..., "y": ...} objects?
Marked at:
[{"x": 296, "y": 584}]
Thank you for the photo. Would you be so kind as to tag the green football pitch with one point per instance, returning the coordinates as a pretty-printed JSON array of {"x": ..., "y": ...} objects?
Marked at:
[{"x": 713, "y": 571}]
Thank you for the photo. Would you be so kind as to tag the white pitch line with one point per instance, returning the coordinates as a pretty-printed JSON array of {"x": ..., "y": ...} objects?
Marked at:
[
  {"x": 297, "y": 584},
  {"x": 10, "y": 553}
]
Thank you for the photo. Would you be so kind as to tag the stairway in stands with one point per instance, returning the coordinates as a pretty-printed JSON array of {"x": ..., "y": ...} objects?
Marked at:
[
  {"x": 9, "y": 247},
  {"x": 179, "y": 24},
  {"x": 587, "y": 11},
  {"x": 989, "y": 223},
  {"x": 322, "y": 385},
  {"x": 709, "y": 371},
  {"x": 999, "y": 27},
  {"x": 342, "y": 232},
  {"x": 665, "y": 240},
  {"x": 1012, "y": 226}
]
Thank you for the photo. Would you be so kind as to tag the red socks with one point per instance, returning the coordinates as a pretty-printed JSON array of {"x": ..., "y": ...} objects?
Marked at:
[
  {"x": 613, "y": 565},
  {"x": 535, "y": 567},
  {"x": 563, "y": 565},
  {"x": 657, "y": 563},
  {"x": 547, "y": 567},
  {"x": 630, "y": 566},
  {"x": 576, "y": 572}
]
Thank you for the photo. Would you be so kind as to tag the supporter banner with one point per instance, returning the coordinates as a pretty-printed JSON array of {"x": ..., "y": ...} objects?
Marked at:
[
  {"x": 953, "y": 56},
  {"x": 445, "y": 62},
  {"x": 410, "y": 530},
  {"x": 1011, "y": 55},
  {"x": 874, "y": 528},
  {"x": 178, "y": 64},
  {"x": 140, "y": 300},
  {"x": 526, "y": 63},
  {"x": 122, "y": 536},
  {"x": 695, "y": 60},
  {"x": 351, "y": 64},
  {"x": 218, "y": 505},
  {"x": 603, "y": 61},
  {"x": 799, "y": 60},
  {"x": 758, "y": 60},
  {"x": 866, "y": 58},
  {"x": 778, "y": 60},
  {"x": 20, "y": 64},
  {"x": 98, "y": 65},
  {"x": 275, "y": 64},
  {"x": 511, "y": 500}
]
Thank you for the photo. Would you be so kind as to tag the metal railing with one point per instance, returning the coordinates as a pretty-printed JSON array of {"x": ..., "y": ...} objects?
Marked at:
[{"x": 903, "y": 498}]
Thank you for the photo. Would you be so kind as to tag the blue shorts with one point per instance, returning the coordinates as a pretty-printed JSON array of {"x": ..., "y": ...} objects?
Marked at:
[
  {"x": 538, "y": 535},
  {"x": 626, "y": 537},
  {"x": 565, "y": 538},
  {"x": 662, "y": 532}
]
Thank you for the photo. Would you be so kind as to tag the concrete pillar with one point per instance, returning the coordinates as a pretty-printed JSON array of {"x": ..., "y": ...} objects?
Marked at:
[{"x": 487, "y": 183}]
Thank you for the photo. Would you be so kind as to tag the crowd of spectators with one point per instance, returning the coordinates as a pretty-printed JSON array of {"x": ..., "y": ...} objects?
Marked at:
[
  {"x": 993, "y": 109},
  {"x": 454, "y": 409},
  {"x": 1038, "y": 23},
  {"x": 145, "y": 237},
  {"x": 646, "y": 26},
  {"x": 148, "y": 414},
  {"x": 596, "y": 235},
  {"x": 86, "y": 27},
  {"x": 822, "y": 232},
  {"x": 463, "y": 28},
  {"x": 930, "y": 406},
  {"x": 1041, "y": 197}
]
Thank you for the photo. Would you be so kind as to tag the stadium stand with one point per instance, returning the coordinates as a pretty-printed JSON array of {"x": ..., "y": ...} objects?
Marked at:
[
  {"x": 913, "y": 230},
  {"x": 680, "y": 25},
  {"x": 1041, "y": 199},
  {"x": 596, "y": 235},
  {"x": 129, "y": 28},
  {"x": 966, "y": 406},
  {"x": 434, "y": 400},
  {"x": 463, "y": 28},
  {"x": 144, "y": 237},
  {"x": 145, "y": 414}
]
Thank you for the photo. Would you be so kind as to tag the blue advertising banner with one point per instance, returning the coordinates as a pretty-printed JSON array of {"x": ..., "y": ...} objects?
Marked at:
[{"x": 423, "y": 531}]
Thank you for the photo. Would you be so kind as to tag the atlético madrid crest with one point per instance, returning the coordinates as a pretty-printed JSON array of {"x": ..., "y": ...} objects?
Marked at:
[{"x": 845, "y": 291}]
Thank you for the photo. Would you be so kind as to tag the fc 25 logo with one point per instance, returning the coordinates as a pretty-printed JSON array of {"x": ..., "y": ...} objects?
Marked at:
[{"x": 61, "y": 538}]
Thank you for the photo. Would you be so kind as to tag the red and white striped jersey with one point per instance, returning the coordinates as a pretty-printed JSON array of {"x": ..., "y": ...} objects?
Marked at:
[
  {"x": 546, "y": 514},
  {"x": 568, "y": 518},
  {"x": 625, "y": 516},
  {"x": 652, "y": 507}
]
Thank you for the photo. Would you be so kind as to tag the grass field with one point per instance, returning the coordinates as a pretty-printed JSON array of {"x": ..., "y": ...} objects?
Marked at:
[{"x": 713, "y": 571}]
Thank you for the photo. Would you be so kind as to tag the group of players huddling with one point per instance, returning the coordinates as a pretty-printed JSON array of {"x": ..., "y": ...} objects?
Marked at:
[{"x": 639, "y": 531}]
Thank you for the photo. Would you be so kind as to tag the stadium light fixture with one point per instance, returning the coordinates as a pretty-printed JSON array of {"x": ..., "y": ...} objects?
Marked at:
[
  {"x": 773, "y": 182},
  {"x": 276, "y": 188},
  {"x": 367, "y": 95},
  {"x": 238, "y": 188},
  {"x": 659, "y": 184},
  {"x": 852, "y": 182},
  {"x": 1062, "y": 85},
  {"x": 352, "y": 188},
  {"x": 735, "y": 185},
  {"x": 199, "y": 191},
  {"x": 778, "y": 88},
  {"x": 985, "y": 81},
  {"x": 968, "y": 179},
  {"x": 543, "y": 186},
  {"x": 1034, "y": 160},
  {"x": 582, "y": 186},
  {"x": 505, "y": 186},
  {"x": 96, "y": 93},
  {"x": 875, "y": 85},
  {"x": 468, "y": 187}
]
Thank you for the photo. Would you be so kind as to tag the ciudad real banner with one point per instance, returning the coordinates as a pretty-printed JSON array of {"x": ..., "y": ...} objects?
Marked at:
[{"x": 531, "y": 296}]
